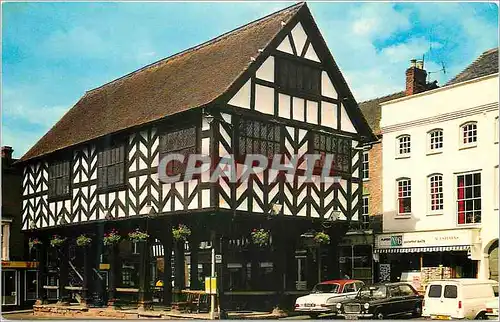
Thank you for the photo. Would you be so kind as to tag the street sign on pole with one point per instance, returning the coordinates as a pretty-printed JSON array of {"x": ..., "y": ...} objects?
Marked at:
[
  {"x": 211, "y": 285},
  {"x": 218, "y": 259}
]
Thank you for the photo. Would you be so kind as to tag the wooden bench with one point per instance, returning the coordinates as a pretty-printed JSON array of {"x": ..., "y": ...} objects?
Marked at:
[{"x": 196, "y": 301}]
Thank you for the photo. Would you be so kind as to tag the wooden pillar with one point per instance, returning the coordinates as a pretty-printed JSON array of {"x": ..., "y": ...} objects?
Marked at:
[
  {"x": 166, "y": 240},
  {"x": 99, "y": 283},
  {"x": 114, "y": 273},
  {"x": 87, "y": 275},
  {"x": 179, "y": 268},
  {"x": 41, "y": 258},
  {"x": 63, "y": 273},
  {"x": 254, "y": 269},
  {"x": 194, "y": 246},
  {"x": 145, "y": 295},
  {"x": 279, "y": 258}
]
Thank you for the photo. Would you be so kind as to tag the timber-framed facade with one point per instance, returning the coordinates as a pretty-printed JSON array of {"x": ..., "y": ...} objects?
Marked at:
[{"x": 269, "y": 87}]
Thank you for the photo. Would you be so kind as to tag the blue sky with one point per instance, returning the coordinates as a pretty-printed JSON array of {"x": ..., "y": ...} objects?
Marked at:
[{"x": 53, "y": 52}]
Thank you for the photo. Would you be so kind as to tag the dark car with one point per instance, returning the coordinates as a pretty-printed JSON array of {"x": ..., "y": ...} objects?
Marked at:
[{"x": 381, "y": 301}]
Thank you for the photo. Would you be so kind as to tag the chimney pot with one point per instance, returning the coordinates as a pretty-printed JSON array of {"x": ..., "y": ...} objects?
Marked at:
[
  {"x": 416, "y": 78},
  {"x": 420, "y": 64},
  {"x": 413, "y": 63}
]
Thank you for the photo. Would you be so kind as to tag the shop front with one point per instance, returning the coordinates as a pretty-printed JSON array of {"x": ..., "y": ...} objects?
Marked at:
[
  {"x": 356, "y": 256},
  {"x": 419, "y": 257},
  {"x": 19, "y": 289}
]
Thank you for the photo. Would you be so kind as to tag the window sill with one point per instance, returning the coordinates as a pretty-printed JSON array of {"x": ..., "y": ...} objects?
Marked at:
[
  {"x": 434, "y": 214},
  {"x": 59, "y": 198},
  {"x": 366, "y": 179},
  {"x": 435, "y": 152},
  {"x": 402, "y": 216},
  {"x": 465, "y": 147},
  {"x": 111, "y": 189},
  {"x": 469, "y": 225},
  {"x": 403, "y": 156}
]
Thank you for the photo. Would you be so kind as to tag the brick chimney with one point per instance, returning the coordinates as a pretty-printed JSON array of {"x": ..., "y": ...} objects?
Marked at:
[
  {"x": 7, "y": 154},
  {"x": 416, "y": 78}
]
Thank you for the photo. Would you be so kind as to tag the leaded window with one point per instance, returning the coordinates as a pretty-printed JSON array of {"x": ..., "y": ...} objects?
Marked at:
[
  {"x": 111, "y": 167},
  {"x": 259, "y": 138},
  {"x": 296, "y": 76},
  {"x": 436, "y": 192},
  {"x": 59, "y": 179},
  {"x": 469, "y": 198},
  {"x": 339, "y": 147},
  {"x": 178, "y": 142},
  {"x": 404, "y": 196}
]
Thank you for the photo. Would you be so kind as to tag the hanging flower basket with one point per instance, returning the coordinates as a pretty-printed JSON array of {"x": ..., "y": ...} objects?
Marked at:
[
  {"x": 57, "y": 241},
  {"x": 34, "y": 242},
  {"x": 322, "y": 238},
  {"x": 182, "y": 232},
  {"x": 260, "y": 237},
  {"x": 83, "y": 240},
  {"x": 111, "y": 238},
  {"x": 138, "y": 236}
]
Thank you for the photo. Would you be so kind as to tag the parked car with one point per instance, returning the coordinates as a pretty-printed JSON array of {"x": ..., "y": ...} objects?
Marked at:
[
  {"x": 381, "y": 301},
  {"x": 327, "y": 293},
  {"x": 462, "y": 298},
  {"x": 492, "y": 310}
]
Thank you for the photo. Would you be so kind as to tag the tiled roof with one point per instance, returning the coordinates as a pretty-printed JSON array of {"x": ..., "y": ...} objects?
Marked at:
[
  {"x": 372, "y": 111},
  {"x": 485, "y": 64},
  {"x": 190, "y": 79}
]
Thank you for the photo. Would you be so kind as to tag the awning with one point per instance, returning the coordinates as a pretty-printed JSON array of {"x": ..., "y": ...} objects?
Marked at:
[{"x": 424, "y": 249}]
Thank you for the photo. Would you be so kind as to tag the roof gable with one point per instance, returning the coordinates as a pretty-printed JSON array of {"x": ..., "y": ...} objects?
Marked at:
[
  {"x": 190, "y": 79},
  {"x": 301, "y": 39}
]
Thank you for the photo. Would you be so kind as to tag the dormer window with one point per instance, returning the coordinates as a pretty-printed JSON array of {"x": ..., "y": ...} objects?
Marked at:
[
  {"x": 403, "y": 146},
  {"x": 59, "y": 179},
  {"x": 469, "y": 134}
]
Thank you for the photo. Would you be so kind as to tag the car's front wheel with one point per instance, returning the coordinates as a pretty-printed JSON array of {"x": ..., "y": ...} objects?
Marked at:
[{"x": 379, "y": 315}]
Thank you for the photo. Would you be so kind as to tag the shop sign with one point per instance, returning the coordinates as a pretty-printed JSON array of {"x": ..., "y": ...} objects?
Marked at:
[
  {"x": 9, "y": 264},
  {"x": 426, "y": 239}
]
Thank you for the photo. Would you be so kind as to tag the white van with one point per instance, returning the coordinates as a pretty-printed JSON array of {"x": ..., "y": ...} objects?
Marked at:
[{"x": 463, "y": 298}]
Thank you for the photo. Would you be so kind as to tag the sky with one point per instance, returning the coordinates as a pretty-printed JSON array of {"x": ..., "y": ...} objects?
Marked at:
[{"x": 53, "y": 52}]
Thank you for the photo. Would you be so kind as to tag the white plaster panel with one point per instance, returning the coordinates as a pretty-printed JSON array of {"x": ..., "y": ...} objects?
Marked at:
[
  {"x": 312, "y": 112},
  {"x": 311, "y": 54},
  {"x": 285, "y": 46},
  {"x": 264, "y": 99},
  {"x": 266, "y": 70},
  {"x": 205, "y": 146},
  {"x": 327, "y": 88},
  {"x": 299, "y": 37},
  {"x": 329, "y": 114},
  {"x": 298, "y": 109},
  {"x": 242, "y": 97},
  {"x": 284, "y": 106},
  {"x": 205, "y": 198},
  {"x": 345, "y": 120}
]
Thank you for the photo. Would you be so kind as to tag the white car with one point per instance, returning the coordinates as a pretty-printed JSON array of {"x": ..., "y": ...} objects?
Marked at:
[
  {"x": 327, "y": 293},
  {"x": 492, "y": 310}
]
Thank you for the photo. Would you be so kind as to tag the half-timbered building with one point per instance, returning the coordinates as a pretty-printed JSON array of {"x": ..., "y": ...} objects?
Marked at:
[{"x": 269, "y": 87}]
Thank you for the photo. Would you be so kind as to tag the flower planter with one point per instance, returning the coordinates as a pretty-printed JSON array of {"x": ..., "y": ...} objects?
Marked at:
[{"x": 181, "y": 233}]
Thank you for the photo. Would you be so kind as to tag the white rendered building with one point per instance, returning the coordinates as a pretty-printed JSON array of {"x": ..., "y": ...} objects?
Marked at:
[{"x": 440, "y": 175}]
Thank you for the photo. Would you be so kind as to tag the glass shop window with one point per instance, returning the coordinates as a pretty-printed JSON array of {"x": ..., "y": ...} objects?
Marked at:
[
  {"x": 30, "y": 284},
  {"x": 9, "y": 287}
]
